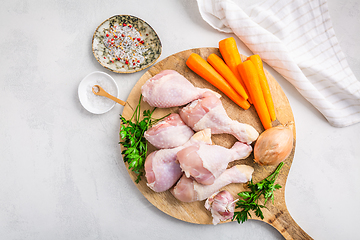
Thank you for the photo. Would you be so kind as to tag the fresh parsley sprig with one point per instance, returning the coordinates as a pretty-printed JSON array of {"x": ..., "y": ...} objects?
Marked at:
[
  {"x": 133, "y": 140},
  {"x": 250, "y": 199}
]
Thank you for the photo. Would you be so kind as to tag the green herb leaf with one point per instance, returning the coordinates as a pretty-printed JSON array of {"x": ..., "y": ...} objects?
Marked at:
[
  {"x": 250, "y": 199},
  {"x": 132, "y": 136},
  {"x": 244, "y": 194}
]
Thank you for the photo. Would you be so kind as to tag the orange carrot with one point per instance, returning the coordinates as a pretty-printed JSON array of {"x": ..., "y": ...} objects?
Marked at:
[
  {"x": 256, "y": 60},
  {"x": 206, "y": 71},
  {"x": 231, "y": 56},
  {"x": 221, "y": 67},
  {"x": 249, "y": 75}
]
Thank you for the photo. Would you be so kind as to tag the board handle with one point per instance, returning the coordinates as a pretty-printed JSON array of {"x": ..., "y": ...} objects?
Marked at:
[{"x": 280, "y": 218}]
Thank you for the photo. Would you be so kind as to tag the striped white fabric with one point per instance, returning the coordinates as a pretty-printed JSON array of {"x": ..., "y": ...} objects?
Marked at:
[{"x": 297, "y": 39}]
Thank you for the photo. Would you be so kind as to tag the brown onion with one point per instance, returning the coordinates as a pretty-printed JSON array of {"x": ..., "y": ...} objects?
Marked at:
[{"x": 274, "y": 145}]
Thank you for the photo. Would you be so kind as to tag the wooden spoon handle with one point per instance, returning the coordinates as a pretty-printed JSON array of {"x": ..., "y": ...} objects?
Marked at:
[{"x": 114, "y": 99}]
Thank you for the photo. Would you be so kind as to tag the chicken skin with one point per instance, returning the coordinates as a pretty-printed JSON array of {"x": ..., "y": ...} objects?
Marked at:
[
  {"x": 170, "y": 89},
  {"x": 208, "y": 112},
  {"x": 162, "y": 170},
  {"x": 169, "y": 133},
  {"x": 188, "y": 190},
  {"x": 207, "y": 162}
]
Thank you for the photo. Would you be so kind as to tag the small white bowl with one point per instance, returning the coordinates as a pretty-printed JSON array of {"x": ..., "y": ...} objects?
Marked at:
[{"x": 93, "y": 103}]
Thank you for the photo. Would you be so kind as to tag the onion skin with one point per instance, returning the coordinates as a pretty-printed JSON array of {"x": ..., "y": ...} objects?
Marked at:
[{"x": 274, "y": 145}]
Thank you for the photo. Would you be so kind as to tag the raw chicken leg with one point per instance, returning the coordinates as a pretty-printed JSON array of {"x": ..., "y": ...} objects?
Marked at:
[
  {"x": 208, "y": 112},
  {"x": 170, "y": 89},
  {"x": 188, "y": 190},
  {"x": 161, "y": 168},
  {"x": 207, "y": 162},
  {"x": 169, "y": 133}
]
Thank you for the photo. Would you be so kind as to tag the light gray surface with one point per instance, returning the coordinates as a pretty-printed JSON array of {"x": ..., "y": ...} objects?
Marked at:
[{"x": 61, "y": 172}]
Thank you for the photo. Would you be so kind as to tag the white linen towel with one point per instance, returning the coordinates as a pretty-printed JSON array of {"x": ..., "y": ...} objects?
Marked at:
[{"x": 297, "y": 39}]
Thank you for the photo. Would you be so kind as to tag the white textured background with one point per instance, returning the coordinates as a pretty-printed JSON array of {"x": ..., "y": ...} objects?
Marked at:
[{"x": 61, "y": 172}]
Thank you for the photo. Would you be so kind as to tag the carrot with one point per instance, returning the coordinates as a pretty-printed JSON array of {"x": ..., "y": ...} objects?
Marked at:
[
  {"x": 221, "y": 67},
  {"x": 196, "y": 63},
  {"x": 248, "y": 72},
  {"x": 256, "y": 60},
  {"x": 231, "y": 56}
]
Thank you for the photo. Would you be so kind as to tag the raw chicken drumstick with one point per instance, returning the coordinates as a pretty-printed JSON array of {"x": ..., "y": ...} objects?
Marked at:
[
  {"x": 170, "y": 89},
  {"x": 188, "y": 190},
  {"x": 207, "y": 162},
  {"x": 208, "y": 112},
  {"x": 169, "y": 133},
  {"x": 161, "y": 168}
]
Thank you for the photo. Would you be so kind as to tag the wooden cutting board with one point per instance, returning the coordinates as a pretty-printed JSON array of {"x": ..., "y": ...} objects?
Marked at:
[{"x": 276, "y": 215}]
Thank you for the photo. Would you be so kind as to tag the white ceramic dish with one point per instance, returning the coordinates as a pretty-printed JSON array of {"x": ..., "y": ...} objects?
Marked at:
[{"x": 93, "y": 103}]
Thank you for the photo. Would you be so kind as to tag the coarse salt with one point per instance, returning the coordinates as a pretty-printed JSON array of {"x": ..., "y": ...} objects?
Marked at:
[
  {"x": 125, "y": 44},
  {"x": 100, "y": 102}
]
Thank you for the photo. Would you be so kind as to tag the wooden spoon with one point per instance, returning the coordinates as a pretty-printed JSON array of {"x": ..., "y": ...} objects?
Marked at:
[{"x": 97, "y": 90}]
